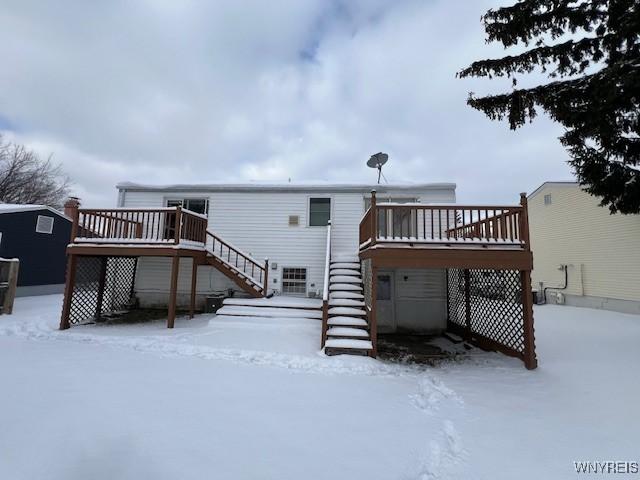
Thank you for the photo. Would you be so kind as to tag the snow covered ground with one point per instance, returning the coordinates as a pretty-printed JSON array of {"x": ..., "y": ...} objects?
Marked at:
[{"x": 243, "y": 397}]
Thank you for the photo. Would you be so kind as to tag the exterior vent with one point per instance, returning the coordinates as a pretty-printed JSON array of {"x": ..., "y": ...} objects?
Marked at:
[
  {"x": 44, "y": 224},
  {"x": 294, "y": 220}
]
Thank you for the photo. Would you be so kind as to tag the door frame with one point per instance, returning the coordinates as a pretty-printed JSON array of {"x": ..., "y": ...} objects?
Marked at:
[{"x": 392, "y": 299}]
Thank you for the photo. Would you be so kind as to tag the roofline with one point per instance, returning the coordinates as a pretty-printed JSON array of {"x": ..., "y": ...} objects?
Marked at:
[
  {"x": 539, "y": 189},
  {"x": 247, "y": 187},
  {"x": 33, "y": 208}
]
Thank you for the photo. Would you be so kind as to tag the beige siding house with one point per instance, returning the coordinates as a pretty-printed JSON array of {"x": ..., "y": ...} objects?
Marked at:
[{"x": 599, "y": 252}]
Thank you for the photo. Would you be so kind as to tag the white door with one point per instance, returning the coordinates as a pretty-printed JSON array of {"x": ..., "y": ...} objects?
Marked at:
[{"x": 385, "y": 308}]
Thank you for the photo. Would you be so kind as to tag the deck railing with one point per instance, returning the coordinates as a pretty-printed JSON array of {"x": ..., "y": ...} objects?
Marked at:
[
  {"x": 173, "y": 225},
  {"x": 422, "y": 223},
  {"x": 238, "y": 261}
]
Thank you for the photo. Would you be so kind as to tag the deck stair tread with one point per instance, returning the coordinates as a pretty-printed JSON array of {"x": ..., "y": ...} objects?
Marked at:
[
  {"x": 349, "y": 343},
  {"x": 347, "y": 332},
  {"x": 345, "y": 302},
  {"x": 342, "y": 287},
  {"x": 242, "y": 310},
  {"x": 347, "y": 311},
  {"x": 345, "y": 271},
  {"x": 345, "y": 258},
  {"x": 349, "y": 265},
  {"x": 344, "y": 279},
  {"x": 352, "y": 295},
  {"x": 347, "y": 321}
]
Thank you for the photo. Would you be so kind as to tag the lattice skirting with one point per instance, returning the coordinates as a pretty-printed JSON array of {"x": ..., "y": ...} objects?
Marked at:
[
  {"x": 103, "y": 285},
  {"x": 486, "y": 308}
]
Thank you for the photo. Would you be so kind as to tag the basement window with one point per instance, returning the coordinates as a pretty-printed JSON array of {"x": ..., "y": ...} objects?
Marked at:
[
  {"x": 44, "y": 224},
  {"x": 319, "y": 212},
  {"x": 294, "y": 281}
]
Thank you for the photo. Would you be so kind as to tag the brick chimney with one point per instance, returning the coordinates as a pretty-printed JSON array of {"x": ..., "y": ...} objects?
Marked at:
[{"x": 71, "y": 206}]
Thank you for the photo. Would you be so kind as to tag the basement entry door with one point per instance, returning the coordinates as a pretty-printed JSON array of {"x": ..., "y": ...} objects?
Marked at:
[{"x": 385, "y": 308}]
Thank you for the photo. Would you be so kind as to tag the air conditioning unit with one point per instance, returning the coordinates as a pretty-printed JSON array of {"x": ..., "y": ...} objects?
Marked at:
[{"x": 560, "y": 298}]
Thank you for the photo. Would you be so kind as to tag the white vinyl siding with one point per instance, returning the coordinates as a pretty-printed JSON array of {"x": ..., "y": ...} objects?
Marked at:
[{"x": 602, "y": 251}]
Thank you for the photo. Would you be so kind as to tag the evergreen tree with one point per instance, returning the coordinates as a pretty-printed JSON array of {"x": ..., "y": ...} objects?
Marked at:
[{"x": 590, "y": 51}]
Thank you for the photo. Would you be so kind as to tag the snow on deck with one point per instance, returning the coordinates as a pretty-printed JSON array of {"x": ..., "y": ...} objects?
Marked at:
[{"x": 248, "y": 397}]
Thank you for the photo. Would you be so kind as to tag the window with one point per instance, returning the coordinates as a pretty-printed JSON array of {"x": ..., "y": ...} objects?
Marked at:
[
  {"x": 547, "y": 199},
  {"x": 44, "y": 224},
  {"x": 197, "y": 205},
  {"x": 294, "y": 281},
  {"x": 319, "y": 212}
]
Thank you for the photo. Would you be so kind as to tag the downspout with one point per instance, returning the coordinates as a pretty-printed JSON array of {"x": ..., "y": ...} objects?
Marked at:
[{"x": 566, "y": 283}]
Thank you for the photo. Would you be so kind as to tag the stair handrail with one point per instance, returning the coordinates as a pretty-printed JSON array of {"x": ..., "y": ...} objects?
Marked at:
[
  {"x": 248, "y": 265},
  {"x": 325, "y": 291}
]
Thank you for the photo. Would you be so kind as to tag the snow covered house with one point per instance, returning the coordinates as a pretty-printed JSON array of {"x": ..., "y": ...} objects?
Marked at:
[
  {"x": 37, "y": 235},
  {"x": 371, "y": 259},
  {"x": 584, "y": 256}
]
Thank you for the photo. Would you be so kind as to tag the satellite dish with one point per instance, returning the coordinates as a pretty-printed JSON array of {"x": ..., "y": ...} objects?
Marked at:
[{"x": 377, "y": 161}]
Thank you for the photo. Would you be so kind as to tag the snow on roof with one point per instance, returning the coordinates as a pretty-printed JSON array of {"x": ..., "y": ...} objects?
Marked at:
[
  {"x": 290, "y": 186},
  {"x": 23, "y": 207}
]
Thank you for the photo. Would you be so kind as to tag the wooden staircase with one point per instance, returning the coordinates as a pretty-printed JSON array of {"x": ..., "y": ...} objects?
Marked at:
[
  {"x": 347, "y": 329},
  {"x": 242, "y": 269}
]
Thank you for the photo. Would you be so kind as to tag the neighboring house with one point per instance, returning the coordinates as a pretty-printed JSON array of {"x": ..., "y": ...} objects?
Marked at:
[
  {"x": 584, "y": 256},
  {"x": 38, "y": 236},
  {"x": 395, "y": 258}
]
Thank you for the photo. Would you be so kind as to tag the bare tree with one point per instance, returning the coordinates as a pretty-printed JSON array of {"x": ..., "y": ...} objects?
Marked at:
[{"x": 26, "y": 178}]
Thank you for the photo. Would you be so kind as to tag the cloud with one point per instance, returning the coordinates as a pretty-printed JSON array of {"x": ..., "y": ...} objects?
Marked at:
[{"x": 162, "y": 92}]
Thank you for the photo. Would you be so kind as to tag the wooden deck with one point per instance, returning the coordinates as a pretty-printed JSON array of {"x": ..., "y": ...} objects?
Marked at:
[
  {"x": 486, "y": 253},
  {"x": 160, "y": 232}
]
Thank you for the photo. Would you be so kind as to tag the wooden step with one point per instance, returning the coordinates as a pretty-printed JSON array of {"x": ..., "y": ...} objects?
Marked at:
[
  {"x": 349, "y": 344},
  {"x": 344, "y": 279},
  {"x": 340, "y": 321},
  {"x": 345, "y": 287},
  {"x": 349, "y": 265},
  {"x": 346, "y": 332},
  {"x": 352, "y": 295},
  {"x": 244, "y": 311},
  {"x": 345, "y": 271},
  {"x": 276, "y": 302},
  {"x": 345, "y": 302},
  {"x": 347, "y": 311}
]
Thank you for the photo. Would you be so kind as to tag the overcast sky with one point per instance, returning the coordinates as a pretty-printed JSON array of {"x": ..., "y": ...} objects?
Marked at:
[{"x": 195, "y": 92}]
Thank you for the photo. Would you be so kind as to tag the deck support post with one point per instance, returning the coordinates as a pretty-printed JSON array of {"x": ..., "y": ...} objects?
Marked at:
[
  {"x": 467, "y": 304},
  {"x": 101, "y": 285},
  {"x": 530, "y": 360},
  {"x": 194, "y": 281},
  {"x": 325, "y": 319},
  {"x": 68, "y": 291},
  {"x": 171, "y": 315},
  {"x": 373, "y": 320},
  {"x": 265, "y": 286}
]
